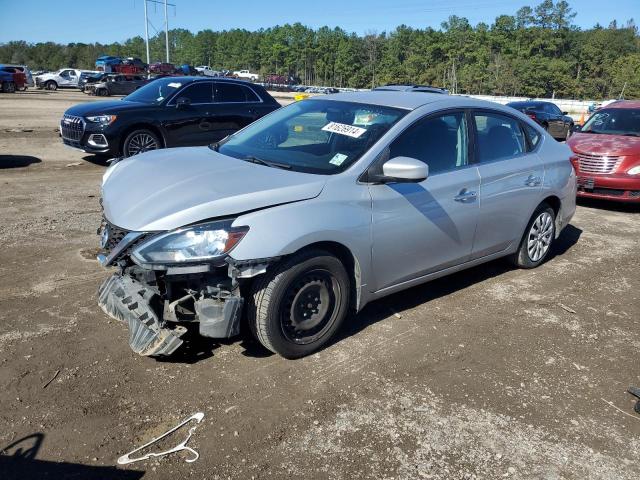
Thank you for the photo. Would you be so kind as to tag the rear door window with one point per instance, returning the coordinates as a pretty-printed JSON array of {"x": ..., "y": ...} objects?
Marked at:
[
  {"x": 499, "y": 137},
  {"x": 198, "y": 92},
  {"x": 230, "y": 93}
]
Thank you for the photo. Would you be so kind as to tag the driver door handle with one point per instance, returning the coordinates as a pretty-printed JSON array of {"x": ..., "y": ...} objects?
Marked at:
[
  {"x": 533, "y": 181},
  {"x": 466, "y": 196}
]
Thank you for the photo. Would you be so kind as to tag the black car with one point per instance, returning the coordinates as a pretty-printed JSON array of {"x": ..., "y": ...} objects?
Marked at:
[
  {"x": 118, "y": 84},
  {"x": 548, "y": 115},
  {"x": 87, "y": 78},
  {"x": 167, "y": 112}
]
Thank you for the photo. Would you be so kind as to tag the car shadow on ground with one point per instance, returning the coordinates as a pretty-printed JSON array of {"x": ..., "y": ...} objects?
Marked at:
[
  {"x": 18, "y": 461},
  {"x": 422, "y": 294},
  {"x": 17, "y": 161},
  {"x": 608, "y": 205}
]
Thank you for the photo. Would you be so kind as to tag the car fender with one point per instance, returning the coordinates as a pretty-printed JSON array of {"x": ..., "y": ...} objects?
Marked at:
[{"x": 340, "y": 214}]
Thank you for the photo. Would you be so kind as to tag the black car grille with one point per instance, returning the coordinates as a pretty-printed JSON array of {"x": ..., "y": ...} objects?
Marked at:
[
  {"x": 116, "y": 234},
  {"x": 72, "y": 127}
]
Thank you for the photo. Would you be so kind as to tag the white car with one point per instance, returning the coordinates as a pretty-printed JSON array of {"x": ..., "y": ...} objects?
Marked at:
[
  {"x": 207, "y": 70},
  {"x": 65, "y": 77},
  {"x": 247, "y": 75}
]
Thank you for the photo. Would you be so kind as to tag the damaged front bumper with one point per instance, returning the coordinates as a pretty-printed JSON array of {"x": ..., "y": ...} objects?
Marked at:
[{"x": 157, "y": 324}]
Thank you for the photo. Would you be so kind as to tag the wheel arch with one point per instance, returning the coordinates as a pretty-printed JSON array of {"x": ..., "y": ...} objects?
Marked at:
[
  {"x": 350, "y": 262},
  {"x": 140, "y": 126},
  {"x": 554, "y": 202}
]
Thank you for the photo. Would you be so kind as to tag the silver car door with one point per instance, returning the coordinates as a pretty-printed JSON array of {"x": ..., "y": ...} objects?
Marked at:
[
  {"x": 511, "y": 179},
  {"x": 419, "y": 228}
]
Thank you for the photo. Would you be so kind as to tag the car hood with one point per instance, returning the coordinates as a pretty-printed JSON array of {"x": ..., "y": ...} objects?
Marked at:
[
  {"x": 602, "y": 144},
  {"x": 99, "y": 108},
  {"x": 170, "y": 188}
]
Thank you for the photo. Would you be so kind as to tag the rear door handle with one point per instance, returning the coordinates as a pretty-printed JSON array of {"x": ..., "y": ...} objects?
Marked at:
[
  {"x": 533, "y": 181},
  {"x": 466, "y": 196}
]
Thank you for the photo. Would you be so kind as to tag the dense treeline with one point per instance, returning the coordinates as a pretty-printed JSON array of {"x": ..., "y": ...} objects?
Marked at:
[{"x": 536, "y": 52}]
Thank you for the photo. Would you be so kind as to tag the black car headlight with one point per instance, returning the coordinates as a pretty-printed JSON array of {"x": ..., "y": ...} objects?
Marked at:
[
  {"x": 102, "y": 119},
  {"x": 200, "y": 243}
]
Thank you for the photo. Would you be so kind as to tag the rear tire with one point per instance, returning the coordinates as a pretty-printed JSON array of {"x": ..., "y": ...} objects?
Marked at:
[
  {"x": 140, "y": 141},
  {"x": 297, "y": 306},
  {"x": 8, "y": 87},
  {"x": 537, "y": 240},
  {"x": 51, "y": 85}
]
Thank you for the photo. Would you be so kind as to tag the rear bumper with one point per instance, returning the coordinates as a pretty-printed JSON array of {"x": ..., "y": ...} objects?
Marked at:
[{"x": 615, "y": 187}]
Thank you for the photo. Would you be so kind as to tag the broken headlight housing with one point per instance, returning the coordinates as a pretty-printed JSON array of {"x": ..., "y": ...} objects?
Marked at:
[{"x": 199, "y": 243}]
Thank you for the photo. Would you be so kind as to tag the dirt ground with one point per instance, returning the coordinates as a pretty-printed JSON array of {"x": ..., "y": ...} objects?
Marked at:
[{"x": 489, "y": 373}]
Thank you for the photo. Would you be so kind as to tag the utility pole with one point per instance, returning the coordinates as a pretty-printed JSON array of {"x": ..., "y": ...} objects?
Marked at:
[
  {"x": 166, "y": 29},
  {"x": 166, "y": 25},
  {"x": 146, "y": 29}
]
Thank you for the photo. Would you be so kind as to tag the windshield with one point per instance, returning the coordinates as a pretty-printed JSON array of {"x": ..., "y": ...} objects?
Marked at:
[
  {"x": 614, "y": 121},
  {"x": 314, "y": 136},
  {"x": 156, "y": 91}
]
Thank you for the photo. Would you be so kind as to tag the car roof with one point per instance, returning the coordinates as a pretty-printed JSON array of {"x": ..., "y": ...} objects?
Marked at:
[
  {"x": 411, "y": 88},
  {"x": 410, "y": 100},
  {"x": 522, "y": 103},
  {"x": 189, "y": 79},
  {"x": 629, "y": 104}
]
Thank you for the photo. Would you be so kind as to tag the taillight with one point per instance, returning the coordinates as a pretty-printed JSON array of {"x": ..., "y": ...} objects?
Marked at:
[{"x": 532, "y": 116}]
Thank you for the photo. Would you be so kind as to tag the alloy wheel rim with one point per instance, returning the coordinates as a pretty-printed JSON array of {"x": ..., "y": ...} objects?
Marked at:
[
  {"x": 309, "y": 307},
  {"x": 141, "y": 142},
  {"x": 540, "y": 237}
]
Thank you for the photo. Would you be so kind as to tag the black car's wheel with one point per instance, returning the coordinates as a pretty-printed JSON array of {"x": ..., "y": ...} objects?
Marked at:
[
  {"x": 298, "y": 305},
  {"x": 537, "y": 239},
  {"x": 140, "y": 141},
  {"x": 51, "y": 85}
]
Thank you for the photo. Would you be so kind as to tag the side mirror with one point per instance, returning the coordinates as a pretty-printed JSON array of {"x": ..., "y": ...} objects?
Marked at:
[
  {"x": 576, "y": 128},
  {"x": 565, "y": 113},
  {"x": 404, "y": 170},
  {"x": 183, "y": 102}
]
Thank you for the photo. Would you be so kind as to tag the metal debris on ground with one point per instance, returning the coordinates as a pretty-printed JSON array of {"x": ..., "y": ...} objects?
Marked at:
[
  {"x": 567, "y": 309},
  {"x": 55, "y": 375},
  {"x": 125, "y": 459}
]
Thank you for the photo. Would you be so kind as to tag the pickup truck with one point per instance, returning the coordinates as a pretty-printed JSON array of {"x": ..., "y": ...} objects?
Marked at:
[
  {"x": 207, "y": 71},
  {"x": 65, "y": 77},
  {"x": 246, "y": 74}
]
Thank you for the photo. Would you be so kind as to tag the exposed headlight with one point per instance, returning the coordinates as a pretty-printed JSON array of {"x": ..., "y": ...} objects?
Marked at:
[
  {"x": 102, "y": 119},
  {"x": 199, "y": 243},
  {"x": 634, "y": 170}
]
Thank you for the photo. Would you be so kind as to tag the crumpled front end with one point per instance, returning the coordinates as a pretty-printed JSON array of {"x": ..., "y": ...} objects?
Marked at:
[{"x": 159, "y": 304}]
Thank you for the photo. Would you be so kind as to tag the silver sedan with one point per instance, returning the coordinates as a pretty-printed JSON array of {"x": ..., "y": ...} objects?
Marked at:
[{"x": 296, "y": 222}]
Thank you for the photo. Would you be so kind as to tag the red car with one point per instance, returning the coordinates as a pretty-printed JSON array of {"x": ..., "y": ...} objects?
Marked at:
[{"x": 607, "y": 153}]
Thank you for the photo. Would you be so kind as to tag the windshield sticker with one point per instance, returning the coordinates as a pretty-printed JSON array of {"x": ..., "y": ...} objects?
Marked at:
[
  {"x": 338, "y": 159},
  {"x": 174, "y": 84},
  {"x": 342, "y": 129}
]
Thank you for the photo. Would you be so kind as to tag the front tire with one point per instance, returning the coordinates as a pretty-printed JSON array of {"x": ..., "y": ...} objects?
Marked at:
[
  {"x": 51, "y": 85},
  {"x": 538, "y": 238},
  {"x": 297, "y": 306},
  {"x": 140, "y": 141}
]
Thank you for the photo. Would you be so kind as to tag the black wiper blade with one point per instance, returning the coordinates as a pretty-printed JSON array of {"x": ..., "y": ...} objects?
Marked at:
[
  {"x": 267, "y": 163},
  {"x": 631, "y": 134}
]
